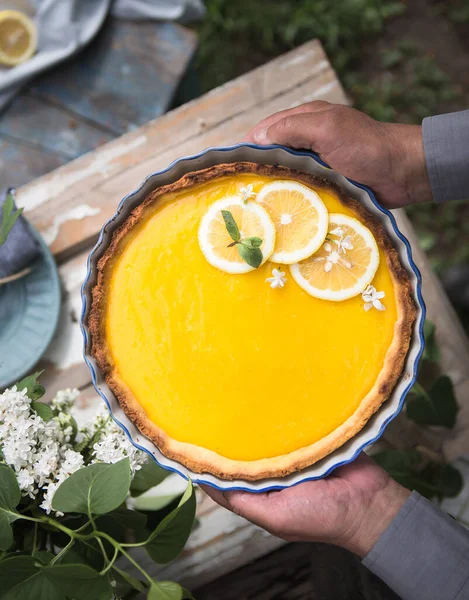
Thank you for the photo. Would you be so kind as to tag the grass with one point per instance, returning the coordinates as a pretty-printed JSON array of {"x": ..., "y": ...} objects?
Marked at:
[
  {"x": 404, "y": 85},
  {"x": 237, "y": 36},
  {"x": 456, "y": 10},
  {"x": 409, "y": 87}
]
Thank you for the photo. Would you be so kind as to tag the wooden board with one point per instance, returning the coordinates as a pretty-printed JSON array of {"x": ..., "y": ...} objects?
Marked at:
[
  {"x": 50, "y": 128},
  {"x": 299, "y": 572},
  {"x": 126, "y": 76},
  {"x": 20, "y": 162},
  {"x": 222, "y": 116},
  {"x": 69, "y": 206}
]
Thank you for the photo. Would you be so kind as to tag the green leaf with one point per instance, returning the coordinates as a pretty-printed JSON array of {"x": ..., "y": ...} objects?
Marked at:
[
  {"x": 34, "y": 389},
  {"x": 252, "y": 256},
  {"x": 130, "y": 519},
  {"x": 9, "y": 217},
  {"x": 442, "y": 481},
  {"x": 392, "y": 58},
  {"x": 87, "y": 553},
  {"x": 230, "y": 225},
  {"x": 431, "y": 350},
  {"x": 132, "y": 581},
  {"x": 150, "y": 501},
  {"x": 433, "y": 480},
  {"x": 165, "y": 590},
  {"x": 96, "y": 489},
  {"x": 85, "y": 581},
  {"x": 25, "y": 578},
  {"x": 437, "y": 407},
  {"x": 43, "y": 410},
  {"x": 170, "y": 537},
  {"x": 44, "y": 557},
  {"x": 253, "y": 242},
  {"x": 399, "y": 465},
  {"x": 147, "y": 477},
  {"x": 10, "y": 497}
]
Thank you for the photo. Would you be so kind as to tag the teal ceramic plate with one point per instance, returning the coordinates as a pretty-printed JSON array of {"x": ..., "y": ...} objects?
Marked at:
[{"x": 29, "y": 311}]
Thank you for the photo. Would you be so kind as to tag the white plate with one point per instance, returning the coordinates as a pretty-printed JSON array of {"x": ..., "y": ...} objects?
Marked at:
[{"x": 302, "y": 161}]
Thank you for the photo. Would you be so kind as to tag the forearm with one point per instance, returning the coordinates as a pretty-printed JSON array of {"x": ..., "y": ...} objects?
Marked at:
[
  {"x": 446, "y": 144},
  {"x": 423, "y": 555}
]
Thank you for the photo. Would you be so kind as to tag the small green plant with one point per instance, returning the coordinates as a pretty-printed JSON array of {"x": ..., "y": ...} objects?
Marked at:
[
  {"x": 431, "y": 404},
  {"x": 249, "y": 248},
  {"x": 456, "y": 10},
  {"x": 410, "y": 87},
  {"x": 9, "y": 216},
  {"x": 237, "y": 36},
  {"x": 65, "y": 515}
]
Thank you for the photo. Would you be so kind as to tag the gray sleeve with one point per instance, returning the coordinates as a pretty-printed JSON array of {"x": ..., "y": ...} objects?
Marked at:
[
  {"x": 423, "y": 555},
  {"x": 446, "y": 145}
]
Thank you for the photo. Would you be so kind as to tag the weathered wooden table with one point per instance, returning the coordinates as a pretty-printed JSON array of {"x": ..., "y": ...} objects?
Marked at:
[
  {"x": 70, "y": 204},
  {"x": 126, "y": 76}
]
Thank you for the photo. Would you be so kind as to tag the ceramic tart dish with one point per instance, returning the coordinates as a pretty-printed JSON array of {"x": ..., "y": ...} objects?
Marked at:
[{"x": 252, "y": 318}]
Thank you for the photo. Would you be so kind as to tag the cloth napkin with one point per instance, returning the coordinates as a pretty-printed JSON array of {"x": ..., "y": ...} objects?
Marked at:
[
  {"x": 66, "y": 26},
  {"x": 20, "y": 248}
]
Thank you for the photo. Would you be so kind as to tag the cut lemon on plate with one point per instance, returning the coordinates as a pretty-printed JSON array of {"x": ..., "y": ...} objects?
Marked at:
[
  {"x": 18, "y": 37},
  {"x": 219, "y": 247},
  {"x": 345, "y": 264},
  {"x": 300, "y": 218}
]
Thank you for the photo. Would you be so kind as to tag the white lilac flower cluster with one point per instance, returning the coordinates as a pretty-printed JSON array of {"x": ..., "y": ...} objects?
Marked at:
[
  {"x": 37, "y": 450},
  {"x": 44, "y": 453},
  {"x": 110, "y": 444}
]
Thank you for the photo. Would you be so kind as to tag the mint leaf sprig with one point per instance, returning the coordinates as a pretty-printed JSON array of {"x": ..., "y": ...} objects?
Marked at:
[
  {"x": 248, "y": 247},
  {"x": 9, "y": 217}
]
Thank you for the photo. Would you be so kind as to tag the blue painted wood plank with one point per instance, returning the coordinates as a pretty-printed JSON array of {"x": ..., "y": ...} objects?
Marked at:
[
  {"x": 126, "y": 77},
  {"x": 21, "y": 164},
  {"x": 34, "y": 122}
]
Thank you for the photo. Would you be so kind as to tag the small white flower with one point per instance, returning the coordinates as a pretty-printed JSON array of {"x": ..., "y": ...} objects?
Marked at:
[
  {"x": 372, "y": 298},
  {"x": 278, "y": 280},
  {"x": 113, "y": 444},
  {"x": 334, "y": 257},
  {"x": 64, "y": 400},
  {"x": 344, "y": 244},
  {"x": 247, "y": 192},
  {"x": 26, "y": 481}
]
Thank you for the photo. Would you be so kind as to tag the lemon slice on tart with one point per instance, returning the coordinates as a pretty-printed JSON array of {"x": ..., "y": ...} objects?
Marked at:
[
  {"x": 300, "y": 218},
  {"x": 345, "y": 264},
  {"x": 18, "y": 37},
  {"x": 220, "y": 248}
]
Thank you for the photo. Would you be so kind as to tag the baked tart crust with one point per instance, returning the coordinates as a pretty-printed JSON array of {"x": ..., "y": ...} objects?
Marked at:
[{"x": 202, "y": 460}]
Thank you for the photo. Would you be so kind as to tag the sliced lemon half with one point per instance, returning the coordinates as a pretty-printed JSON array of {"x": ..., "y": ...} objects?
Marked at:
[
  {"x": 345, "y": 264},
  {"x": 18, "y": 38},
  {"x": 300, "y": 218},
  {"x": 216, "y": 243}
]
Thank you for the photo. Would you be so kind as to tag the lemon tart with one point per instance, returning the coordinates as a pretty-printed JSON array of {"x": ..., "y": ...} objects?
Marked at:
[{"x": 250, "y": 319}]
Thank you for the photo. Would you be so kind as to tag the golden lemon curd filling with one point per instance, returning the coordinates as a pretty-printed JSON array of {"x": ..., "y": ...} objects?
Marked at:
[{"x": 224, "y": 361}]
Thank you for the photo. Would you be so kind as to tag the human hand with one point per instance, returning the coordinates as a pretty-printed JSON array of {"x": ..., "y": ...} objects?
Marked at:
[
  {"x": 350, "y": 508},
  {"x": 388, "y": 157}
]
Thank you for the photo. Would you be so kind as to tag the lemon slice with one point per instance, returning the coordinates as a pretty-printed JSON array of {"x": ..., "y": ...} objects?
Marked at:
[
  {"x": 300, "y": 218},
  {"x": 17, "y": 37},
  {"x": 344, "y": 265},
  {"x": 216, "y": 243}
]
